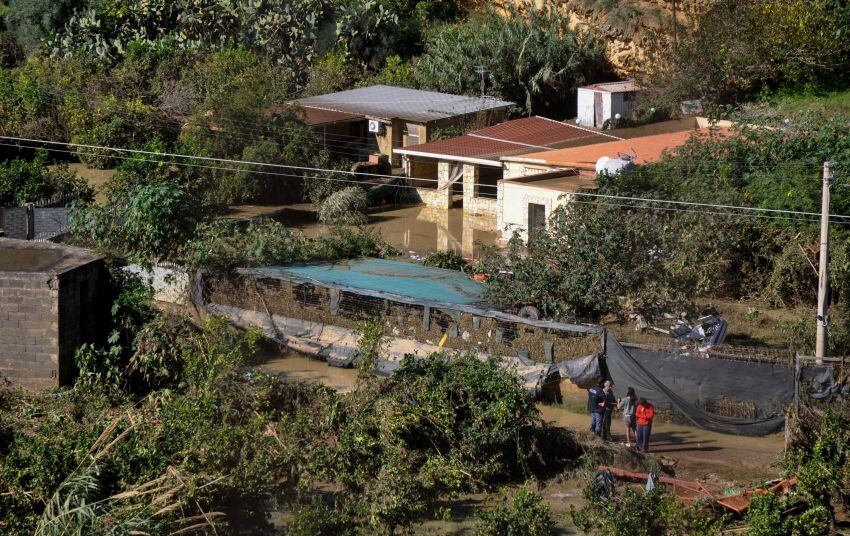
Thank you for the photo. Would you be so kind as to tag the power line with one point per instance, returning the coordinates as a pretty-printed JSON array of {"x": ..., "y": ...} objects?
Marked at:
[
  {"x": 707, "y": 205},
  {"x": 325, "y": 170}
]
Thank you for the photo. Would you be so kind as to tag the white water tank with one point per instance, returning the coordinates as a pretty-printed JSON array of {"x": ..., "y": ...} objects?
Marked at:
[{"x": 614, "y": 166}]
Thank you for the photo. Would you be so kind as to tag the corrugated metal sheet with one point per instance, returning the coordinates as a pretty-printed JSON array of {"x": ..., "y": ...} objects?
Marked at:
[
  {"x": 470, "y": 147},
  {"x": 388, "y": 102},
  {"x": 534, "y": 131}
]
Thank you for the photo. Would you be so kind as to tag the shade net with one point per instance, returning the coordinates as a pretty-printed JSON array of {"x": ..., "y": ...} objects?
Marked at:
[{"x": 626, "y": 370}]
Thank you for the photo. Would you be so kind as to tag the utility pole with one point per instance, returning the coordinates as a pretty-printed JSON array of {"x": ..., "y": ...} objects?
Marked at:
[{"x": 823, "y": 272}]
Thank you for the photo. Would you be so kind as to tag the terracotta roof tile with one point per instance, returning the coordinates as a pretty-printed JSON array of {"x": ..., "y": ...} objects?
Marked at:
[
  {"x": 644, "y": 149},
  {"x": 510, "y": 138}
]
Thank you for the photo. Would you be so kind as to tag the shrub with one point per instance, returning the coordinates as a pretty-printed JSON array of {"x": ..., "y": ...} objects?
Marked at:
[
  {"x": 221, "y": 245},
  {"x": 449, "y": 260},
  {"x": 23, "y": 181},
  {"x": 524, "y": 515},
  {"x": 112, "y": 123},
  {"x": 346, "y": 207},
  {"x": 31, "y": 21},
  {"x": 149, "y": 223}
]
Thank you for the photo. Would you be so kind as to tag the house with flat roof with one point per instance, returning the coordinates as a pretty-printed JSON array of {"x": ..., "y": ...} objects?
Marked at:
[
  {"x": 469, "y": 167},
  {"x": 598, "y": 104},
  {"x": 535, "y": 184},
  {"x": 378, "y": 119}
]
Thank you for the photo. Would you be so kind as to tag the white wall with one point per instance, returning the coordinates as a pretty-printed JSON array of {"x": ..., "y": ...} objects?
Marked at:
[
  {"x": 169, "y": 285},
  {"x": 619, "y": 105},
  {"x": 514, "y": 210},
  {"x": 585, "y": 107}
]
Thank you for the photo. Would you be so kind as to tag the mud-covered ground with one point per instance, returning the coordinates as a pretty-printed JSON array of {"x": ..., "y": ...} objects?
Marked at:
[{"x": 692, "y": 453}]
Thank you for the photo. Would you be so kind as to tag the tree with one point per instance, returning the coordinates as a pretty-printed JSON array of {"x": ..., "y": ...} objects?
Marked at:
[
  {"x": 531, "y": 56},
  {"x": 23, "y": 181},
  {"x": 736, "y": 49},
  {"x": 147, "y": 223},
  {"x": 31, "y": 21},
  {"x": 591, "y": 261}
]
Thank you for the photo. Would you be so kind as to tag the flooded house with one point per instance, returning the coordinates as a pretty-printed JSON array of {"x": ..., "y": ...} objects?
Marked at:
[
  {"x": 377, "y": 119},
  {"x": 465, "y": 170},
  {"x": 535, "y": 184}
]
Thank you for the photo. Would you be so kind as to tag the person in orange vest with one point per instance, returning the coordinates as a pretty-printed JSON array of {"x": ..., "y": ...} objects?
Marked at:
[{"x": 644, "y": 413}]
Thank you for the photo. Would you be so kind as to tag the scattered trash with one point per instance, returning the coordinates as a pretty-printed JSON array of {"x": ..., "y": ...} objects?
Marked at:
[{"x": 689, "y": 492}]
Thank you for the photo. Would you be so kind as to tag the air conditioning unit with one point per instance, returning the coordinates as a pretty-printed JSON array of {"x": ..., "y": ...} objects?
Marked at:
[{"x": 375, "y": 126}]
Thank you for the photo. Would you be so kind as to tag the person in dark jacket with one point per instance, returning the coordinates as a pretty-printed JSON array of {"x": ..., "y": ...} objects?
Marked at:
[
  {"x": 610, "y": 402},
  {"x": 596, "y": 407}
]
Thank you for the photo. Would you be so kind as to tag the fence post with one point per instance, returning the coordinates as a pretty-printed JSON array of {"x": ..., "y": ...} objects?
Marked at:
[{"x": 30, "y": 208}]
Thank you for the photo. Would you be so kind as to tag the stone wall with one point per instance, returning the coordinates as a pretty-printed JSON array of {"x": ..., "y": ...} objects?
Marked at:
[{"x": 482, "y": 331}]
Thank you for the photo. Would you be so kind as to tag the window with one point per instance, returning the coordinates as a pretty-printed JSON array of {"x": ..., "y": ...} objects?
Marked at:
[
  {"x": 536, "y": 217},
  {"x": 411, "y": 135}
]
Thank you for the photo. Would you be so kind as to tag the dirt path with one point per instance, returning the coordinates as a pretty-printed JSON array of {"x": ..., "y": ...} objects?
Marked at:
[{"x": 695, "y": 453}]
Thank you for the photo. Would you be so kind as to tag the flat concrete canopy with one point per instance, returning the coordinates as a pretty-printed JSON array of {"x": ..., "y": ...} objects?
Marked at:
[
  {"x": 390, "y": 277},
  {"x": 41, "y": 257}
]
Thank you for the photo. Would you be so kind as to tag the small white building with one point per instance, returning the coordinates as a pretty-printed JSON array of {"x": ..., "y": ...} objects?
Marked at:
[{"x": 601, "y": 102}]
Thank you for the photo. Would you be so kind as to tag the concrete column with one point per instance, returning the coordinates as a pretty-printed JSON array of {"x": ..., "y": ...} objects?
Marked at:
[{"x": 470, "y": 177}]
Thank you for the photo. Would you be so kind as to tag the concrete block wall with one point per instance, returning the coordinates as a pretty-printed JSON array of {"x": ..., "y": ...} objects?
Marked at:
[
  {"x": 45, "y": 317},
  {"x": 29, "y": 329},
  {"x": 14, "y": 222},
  {"x": 50, "y": 221}
]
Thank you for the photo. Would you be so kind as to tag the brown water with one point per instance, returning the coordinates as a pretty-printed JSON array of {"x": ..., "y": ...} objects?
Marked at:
[
  {"x": 300, "y": 367},
  {"x": 695, "y": 453},
  {"x": 416, "y": 230}
]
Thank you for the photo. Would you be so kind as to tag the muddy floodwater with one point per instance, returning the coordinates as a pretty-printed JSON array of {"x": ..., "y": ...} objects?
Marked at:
[
  {"x": 694, "y": 453},
  {"x": 415, "y": 230}
]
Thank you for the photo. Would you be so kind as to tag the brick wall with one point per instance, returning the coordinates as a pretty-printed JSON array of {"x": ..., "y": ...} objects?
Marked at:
[
  {"x": 29, "y": 329},
  {"x": 45, "y": 317}
]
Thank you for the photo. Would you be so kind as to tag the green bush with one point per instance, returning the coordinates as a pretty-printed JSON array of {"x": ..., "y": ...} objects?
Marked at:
[
  {"x": 112, "y": 123},
  {"x": 32, "y": 21},
  {"x": 23, "y": 181},
  {"x": 449, "y": 260},
  {"x": 221, "y": 245},
  {"x": 149, "y": 223},
  {"x": 345, "y": 207},
  {"x": 526, "y": 514}
]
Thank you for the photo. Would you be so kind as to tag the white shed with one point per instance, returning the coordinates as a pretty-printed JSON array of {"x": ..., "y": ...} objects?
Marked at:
[{"x": 601, "y": 102}]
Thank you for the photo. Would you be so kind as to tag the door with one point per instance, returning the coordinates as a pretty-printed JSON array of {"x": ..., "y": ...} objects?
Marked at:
[{"x": 597, "y": 109}]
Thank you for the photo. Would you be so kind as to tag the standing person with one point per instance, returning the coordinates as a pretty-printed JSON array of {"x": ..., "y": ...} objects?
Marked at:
[
  {"x": 628, "y": 404},
  {"x": 596, "y": 407},
  {"x": 610, "y": 403},
  {"x": 644, "y": 412}
]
